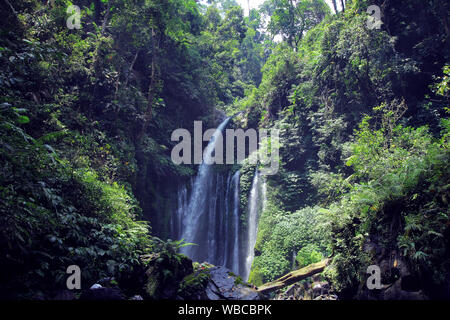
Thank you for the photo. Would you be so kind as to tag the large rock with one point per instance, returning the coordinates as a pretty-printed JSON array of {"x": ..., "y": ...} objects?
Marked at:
[
  {"x": 398, "y": 282},
  {"x": 216, "y": 283},
  {"x": 305, "y": 290},
  {"x": 102, "y": 293},
  {"x": 65, "y": 295},
  {"x": 227, "y": 286},
  {"x": 396, "y": 292},
  {"x": 164, "y": 274}
]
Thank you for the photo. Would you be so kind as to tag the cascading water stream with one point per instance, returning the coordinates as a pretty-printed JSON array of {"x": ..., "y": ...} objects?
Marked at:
[
  {"x": 208, "y": 215},
  {"x": 235, "y": 185},
  {"x": 176, "y": 222},
  {"x": 226, "y": 217},
  {"x": 199, "y": 222},
  {"x": 252, "y": 225}
]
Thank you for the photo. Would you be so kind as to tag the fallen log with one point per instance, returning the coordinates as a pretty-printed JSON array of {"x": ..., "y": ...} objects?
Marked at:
[{"x": 294, "y": 276}]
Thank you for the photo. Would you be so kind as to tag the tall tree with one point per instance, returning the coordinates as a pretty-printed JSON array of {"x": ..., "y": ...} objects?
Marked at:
[
  {"x": 334, "y": 6},
  {"x": 292, "y": 18}
]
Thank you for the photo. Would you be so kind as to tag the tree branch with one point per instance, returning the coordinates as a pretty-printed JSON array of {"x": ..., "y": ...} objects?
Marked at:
[
  {"x": 131, "y": 68},
  {"x": 11, "y": 7}
]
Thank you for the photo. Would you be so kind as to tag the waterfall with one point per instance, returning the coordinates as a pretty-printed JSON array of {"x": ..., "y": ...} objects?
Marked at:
[
  {"x": 176, "y": 221},
  {"x": 263, "y": 195},
  {"x": 208, "y": 214},
  {"x": 218, "y": 233},
  {"x": 200, "y": 225},
  {"x": 256, "y": 203},
  {"x": 221, "y": 222},
  {"x": 235, "y": 185},
  {"x": 225, "y": 224}
]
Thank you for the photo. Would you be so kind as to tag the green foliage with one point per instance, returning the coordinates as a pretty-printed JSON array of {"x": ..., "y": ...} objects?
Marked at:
[
  {"x": 443, "y": 87},
  {"x": 55, "y": 216},
  {"x": 291, "y": 19},
  {"x": 247, "y": 173},
  {"x": 330, "y": 186},
  {"x": 365, "y": 179},
  {"x": 86, "y": 117},
  {"x": 194, "y": 283},
  {"x": 256, "y": 276},
  {"x": 281, "y": 236},
  {"x": 398, "y": 176},
  {"x": 308, "y": 255}
]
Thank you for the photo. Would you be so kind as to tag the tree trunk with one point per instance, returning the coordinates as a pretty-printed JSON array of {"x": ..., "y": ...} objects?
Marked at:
[
  {"x": 94, "y": 67},
  {"x": 335, "y": 6},
  {"x": 294, "y": 276},
  {"x": 292, "y": 23},
  {"x": 343, "y": 5},
  {"x": 152, "y": 89},
  {"x": 12, "y": 9},
  {"x": 130, "y": 70},
  {"x": 105, "y": 21},
  {"x": 142, "y": 181}
]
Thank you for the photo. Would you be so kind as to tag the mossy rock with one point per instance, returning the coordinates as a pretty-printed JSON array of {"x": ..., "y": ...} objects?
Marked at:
[
  {"x": 256, "y": 277},
  {"x": 165, "y": 272},
  {"x": 214, "y": 283},
  {"x": 193, "y": 286}
]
